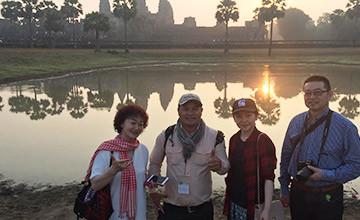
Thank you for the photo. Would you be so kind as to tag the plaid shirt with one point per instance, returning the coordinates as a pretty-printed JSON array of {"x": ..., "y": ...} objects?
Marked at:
[{"x": 267, "y": 166}]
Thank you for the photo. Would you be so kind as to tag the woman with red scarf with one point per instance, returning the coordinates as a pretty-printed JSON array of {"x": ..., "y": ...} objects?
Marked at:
[
  {"x": 127, "y": 172},
  {"x": 241, "y": 181}
]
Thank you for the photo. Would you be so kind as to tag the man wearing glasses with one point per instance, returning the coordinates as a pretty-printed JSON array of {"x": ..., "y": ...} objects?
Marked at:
[{"x": 320, "y": 153}]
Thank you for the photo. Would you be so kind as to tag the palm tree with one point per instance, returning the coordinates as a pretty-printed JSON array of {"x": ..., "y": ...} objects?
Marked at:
[
  {"x": 72, "y": 9},
  {"x": 354, "y": 13},
  {"x": 31, "y": 11},
  {"x": 97, "y": 22},
  {"x": 11, "y": 10},
  {"x": 270, "y": 10},
  {"x": 125, "y": 9},
  {"x": 226, "y": 10},
  {"x": 53, "y": 20}
]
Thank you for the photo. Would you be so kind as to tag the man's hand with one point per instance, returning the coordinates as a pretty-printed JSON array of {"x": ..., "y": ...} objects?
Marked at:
[
  {"x": 317, "y": 175},
  {"x": 285, "y": 199},
  {"x": 214, "y": 163},
  {"x": 156, "y": 198}
]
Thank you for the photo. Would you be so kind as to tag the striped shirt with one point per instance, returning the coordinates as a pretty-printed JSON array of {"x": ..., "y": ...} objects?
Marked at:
[{"x": 340, "y": 158}]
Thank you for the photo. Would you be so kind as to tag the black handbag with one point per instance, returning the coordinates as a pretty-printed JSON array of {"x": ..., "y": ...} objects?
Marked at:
[{"x": 93, "y": 205}]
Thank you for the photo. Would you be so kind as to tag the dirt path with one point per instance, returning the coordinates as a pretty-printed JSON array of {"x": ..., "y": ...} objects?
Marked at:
[{"x": 20, "y": 201}]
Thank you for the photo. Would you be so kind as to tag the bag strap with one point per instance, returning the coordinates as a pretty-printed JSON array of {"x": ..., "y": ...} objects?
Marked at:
[
  {"x": 86, "y": 183},
  {"x": 169, "y": 131},
  {"x": 219, "y": 137},
  {"x": 112, "y": 152},
  {"x": 258, "y": 167},
  {"x": 304, "y": 133}
]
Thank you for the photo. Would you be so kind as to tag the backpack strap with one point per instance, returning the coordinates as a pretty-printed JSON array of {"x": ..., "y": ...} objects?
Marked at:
[
  {"x": 112, "y": 152},
  {"x": 169, "y": 131},
  {"x": 219, "y": 138}
]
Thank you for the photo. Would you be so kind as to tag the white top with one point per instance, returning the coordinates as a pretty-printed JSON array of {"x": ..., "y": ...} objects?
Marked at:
[{"x": 140, "y": 160}]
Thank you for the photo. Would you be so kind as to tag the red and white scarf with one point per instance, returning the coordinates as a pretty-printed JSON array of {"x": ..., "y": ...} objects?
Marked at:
[{"x": 128, "y": 177}]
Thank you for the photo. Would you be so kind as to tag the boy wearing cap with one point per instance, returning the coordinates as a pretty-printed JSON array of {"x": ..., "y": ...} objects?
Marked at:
[
  {"x": 192, "y": 153},
  {"x": 241, "y": 182}
]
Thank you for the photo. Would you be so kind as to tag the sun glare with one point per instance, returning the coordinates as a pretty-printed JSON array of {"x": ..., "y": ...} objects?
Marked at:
[{"x": 266, "y": 82}]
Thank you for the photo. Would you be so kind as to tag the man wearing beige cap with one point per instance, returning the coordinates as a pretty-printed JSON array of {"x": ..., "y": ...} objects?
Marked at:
[{"x": 192, "y": 150}]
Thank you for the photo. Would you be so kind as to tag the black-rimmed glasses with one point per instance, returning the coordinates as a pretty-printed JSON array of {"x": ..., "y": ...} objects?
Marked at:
[{"x": 316, "y": 93}]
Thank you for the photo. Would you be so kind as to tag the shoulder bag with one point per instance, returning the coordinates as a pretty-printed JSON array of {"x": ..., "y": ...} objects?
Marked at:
[
  {"x": 93, "y": 205},
  {"x": 276, "y": 209}
]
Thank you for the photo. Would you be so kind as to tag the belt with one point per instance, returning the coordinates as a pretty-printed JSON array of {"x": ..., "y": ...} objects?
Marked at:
[
  {"x": 315, "y": 190},
  {"x": 188, "y": 209}
]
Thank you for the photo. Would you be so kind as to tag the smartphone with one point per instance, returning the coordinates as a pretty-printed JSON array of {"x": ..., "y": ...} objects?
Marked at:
[{"x": 161, "y": 180}]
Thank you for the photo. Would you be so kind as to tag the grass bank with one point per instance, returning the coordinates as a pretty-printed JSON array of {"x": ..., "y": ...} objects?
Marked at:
[{"x": 17, "y": 64}]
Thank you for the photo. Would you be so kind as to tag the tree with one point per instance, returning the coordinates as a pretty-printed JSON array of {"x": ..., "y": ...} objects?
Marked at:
[
  {"x": 72, "y": 9},
  {"x": 98, "y": 23},
  {"x": 270, "y": 10},
  {"x": 294, "y": 24},
  {"x": 354, "y": 13},
  {"x": 12, "y": 11},
  {"x": 324, "y": 28},
  {"x": 125, "y": 9},
  {"x": 31, "y": 11},
  {"x": 53, "y": 20},
  {"x": 227, "y": 10},
  {"x": 337, "y": 19}
]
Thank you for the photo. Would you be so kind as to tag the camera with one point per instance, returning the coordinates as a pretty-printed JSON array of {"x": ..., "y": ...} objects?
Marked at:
[{"x": 303, "y": 171}]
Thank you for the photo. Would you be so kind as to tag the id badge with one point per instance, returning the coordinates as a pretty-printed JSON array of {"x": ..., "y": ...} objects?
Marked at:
[{"x": 184, "y": 185}]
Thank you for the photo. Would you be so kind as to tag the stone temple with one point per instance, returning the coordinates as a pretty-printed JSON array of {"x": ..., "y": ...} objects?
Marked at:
[{"x": 160, "y": 27}]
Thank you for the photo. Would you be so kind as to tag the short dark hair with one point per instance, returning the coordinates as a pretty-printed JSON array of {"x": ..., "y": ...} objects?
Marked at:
[
  {"x": 318, "y": 79},
  {"x": 128, "y": 111}
]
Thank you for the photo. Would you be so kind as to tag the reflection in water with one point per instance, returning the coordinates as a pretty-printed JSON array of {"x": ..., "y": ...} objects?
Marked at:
[
  {"x": 58, "y": 95},
  {"x": 75, "y": 103},
  {"x": 1, "y": 105},
  {"x": 269, "y": 109},
  {"x": 103, "y": 99},
  {"x": 349, "y": 106},
  {"x": 134, "y": 85},
  {"x": 126, "y": 100},
  {"x": 223, "y": 107},
  {"x": 36, "y": 109},
  {"x": 61, "y": 141}
]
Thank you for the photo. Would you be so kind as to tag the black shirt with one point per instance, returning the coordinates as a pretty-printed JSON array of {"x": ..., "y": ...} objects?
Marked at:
[{"x": 238, "y": 191}]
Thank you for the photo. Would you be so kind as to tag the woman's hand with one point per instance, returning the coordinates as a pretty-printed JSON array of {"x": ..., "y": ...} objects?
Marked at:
[{"x": 119, "y": 165}]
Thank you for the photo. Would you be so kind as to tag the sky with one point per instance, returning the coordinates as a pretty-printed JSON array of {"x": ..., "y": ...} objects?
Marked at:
[{"x": 204, "y": 10}]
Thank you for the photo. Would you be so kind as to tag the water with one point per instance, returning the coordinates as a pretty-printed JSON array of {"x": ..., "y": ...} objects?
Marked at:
[{"x": 51, "y": 127}]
